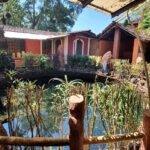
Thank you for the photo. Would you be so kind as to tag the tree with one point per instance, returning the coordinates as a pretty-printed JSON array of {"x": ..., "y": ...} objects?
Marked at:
[
  {"x": 52, "y": 15},
  {"x": 144, "y": 25},
  {"x": 11, "y": 13}
]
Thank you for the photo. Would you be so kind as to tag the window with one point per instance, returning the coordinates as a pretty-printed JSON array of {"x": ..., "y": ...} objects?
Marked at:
[
  {"x": 15, "y": 45},
  {"x": 78, "y": 47},
  {"x": 47, "y": 47}
]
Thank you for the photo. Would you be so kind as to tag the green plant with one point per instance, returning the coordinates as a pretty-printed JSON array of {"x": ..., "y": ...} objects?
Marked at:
[
  {"x": 29, "y": 60},
  {"x": 94, "y": 61},
  {"x": 118, "y": 107},
  {"x": 6, "y": 62},
  {"x": 121, "y": 68},
  {"x": 88, "y": 62},
  {"x": 43, "y": 61}
]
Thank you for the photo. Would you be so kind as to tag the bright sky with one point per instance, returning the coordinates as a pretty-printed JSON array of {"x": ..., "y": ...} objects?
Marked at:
[{"x": 93, "y": 20}]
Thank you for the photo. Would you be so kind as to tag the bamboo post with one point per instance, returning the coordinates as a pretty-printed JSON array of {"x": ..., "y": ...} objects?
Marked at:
[
  {"x": 146, "y": 127},
  {"x": 76, "y": 122}
]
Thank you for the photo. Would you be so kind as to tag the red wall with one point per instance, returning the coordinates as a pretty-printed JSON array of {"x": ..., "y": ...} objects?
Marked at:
[
  {"x": 105, "y": 46},
  {"x": 33, "y": 46},
  {"x": 71, "y": 39}
]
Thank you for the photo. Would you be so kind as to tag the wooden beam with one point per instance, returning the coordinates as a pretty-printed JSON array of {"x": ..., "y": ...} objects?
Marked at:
[
  {"x": 127, "y": 7},
  {"x": 3, "y": 1},
  {"x": 100, "y": 8},
  {"x": 87, "y": 2}
]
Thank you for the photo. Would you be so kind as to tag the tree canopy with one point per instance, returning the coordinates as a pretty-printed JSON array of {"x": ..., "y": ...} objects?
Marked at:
[{"x": 52, "y": 15}]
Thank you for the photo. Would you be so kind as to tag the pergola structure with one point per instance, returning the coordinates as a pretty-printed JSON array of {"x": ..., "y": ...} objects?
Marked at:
[
  {"x": 3, "y": 1},
  {"x": 112, "y": 7}
]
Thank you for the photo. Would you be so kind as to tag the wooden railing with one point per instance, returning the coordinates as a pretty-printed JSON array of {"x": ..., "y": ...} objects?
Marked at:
[
  {"x": 76, "y": 138},
  {"x": 42, "y": 141}
]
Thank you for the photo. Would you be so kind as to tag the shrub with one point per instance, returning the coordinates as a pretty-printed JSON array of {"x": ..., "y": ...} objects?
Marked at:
[
  {"x": 6, "y": 61},
  {"x": 43, "y": 61},
  {"x": 91, "y": 62},
  {"x": 29, "y": 60},
  {"x": 121, "y": 67}
]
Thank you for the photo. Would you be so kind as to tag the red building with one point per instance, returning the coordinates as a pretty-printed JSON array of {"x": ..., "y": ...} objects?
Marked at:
[
  {"x": 122, "y": 42},
  {"x": 21, "y": 40}
]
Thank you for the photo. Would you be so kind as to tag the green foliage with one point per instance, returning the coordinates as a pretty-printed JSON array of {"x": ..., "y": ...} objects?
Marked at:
[
  {"x": 120, "y": 108},
  {"x": 144, "y": 25},
  {"x": 50, "y": 15},
  {"x": 43, "y": 61},
  {"x": 29, "y": 60},
  {"x": 10, "y": 74},
  {"x": 89, "y": 62},
  {"x": 42, "y": 112},
  {"x": 121, "y": 68},
  {"x": 146, "y": 17},
  {"x": 6, "y": 62},
  {"x": 12, "y": 13}
]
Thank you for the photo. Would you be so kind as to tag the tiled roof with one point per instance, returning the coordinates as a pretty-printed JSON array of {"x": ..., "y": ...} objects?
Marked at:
[
  {"x": 127, "y": 29},
  {"x": 31, "y": 31},
  {"x": 41, "y": 32},
  {"x": 88, "y": 33}
]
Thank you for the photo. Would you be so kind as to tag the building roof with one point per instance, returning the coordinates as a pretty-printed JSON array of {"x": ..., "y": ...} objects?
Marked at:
[
  {"x": 128, "y": 29},
  {"x": 113, "y": 7},
  {"x": 24, "y": 33},
  {"x": 87, "y": 33}
]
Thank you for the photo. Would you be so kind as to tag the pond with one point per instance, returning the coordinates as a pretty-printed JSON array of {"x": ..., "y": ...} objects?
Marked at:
[{"x": 43, "y": 111}]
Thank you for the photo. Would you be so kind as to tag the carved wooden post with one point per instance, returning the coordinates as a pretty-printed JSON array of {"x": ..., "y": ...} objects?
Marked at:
[
  {"x": 146, "y": 127},
  {"x": 76, "y": 122}
]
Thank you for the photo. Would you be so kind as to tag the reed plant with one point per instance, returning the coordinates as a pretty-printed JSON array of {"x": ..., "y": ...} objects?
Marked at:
[{"x": 38, "y": 111}]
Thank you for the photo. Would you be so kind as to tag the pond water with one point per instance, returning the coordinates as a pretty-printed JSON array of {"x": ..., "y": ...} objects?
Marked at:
[
  {"x": 56, "y": 125},
  {"x": 63, "y": 131}
]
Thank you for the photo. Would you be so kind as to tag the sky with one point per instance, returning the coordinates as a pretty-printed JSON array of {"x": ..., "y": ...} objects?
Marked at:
[{"x": 92, "y": 19}]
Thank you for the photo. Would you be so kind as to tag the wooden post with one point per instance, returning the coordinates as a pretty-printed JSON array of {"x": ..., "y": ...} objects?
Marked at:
[
  {"x": 76, "y": 122},
  {"x": 135, "y": 51},
  {"x": 146, "y": 127},
  {"x": 3, "y": 133}
]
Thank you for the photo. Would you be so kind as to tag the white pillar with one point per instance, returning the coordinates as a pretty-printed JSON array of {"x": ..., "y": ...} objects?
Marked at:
[
  {"x": 65, "y": 49},
  {"x": 41, "y": 51},
  {"x": 89, "y": 43}
]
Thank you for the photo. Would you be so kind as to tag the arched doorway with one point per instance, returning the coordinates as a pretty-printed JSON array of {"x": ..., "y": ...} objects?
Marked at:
[{"x": 78, "y": 47}]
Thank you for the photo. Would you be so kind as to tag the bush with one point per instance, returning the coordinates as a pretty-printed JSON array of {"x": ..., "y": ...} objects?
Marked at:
[
  {"x": 121, "y": 67},
  {"x": 6, "y": 61},
  {"x": 91, "y": 62},
  {"x": 43, "y": 61},
  {"x": 29, "y": 60}
]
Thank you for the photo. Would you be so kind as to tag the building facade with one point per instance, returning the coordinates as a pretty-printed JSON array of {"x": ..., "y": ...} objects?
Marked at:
[{"x": 19, "y": 40}]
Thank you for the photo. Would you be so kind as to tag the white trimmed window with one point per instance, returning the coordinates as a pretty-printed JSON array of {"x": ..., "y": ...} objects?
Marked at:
[{"x": 78, "y": 46}]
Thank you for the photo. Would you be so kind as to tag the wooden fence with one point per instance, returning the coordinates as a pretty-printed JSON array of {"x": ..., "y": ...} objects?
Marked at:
[{"x": 76, "y": 138}]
